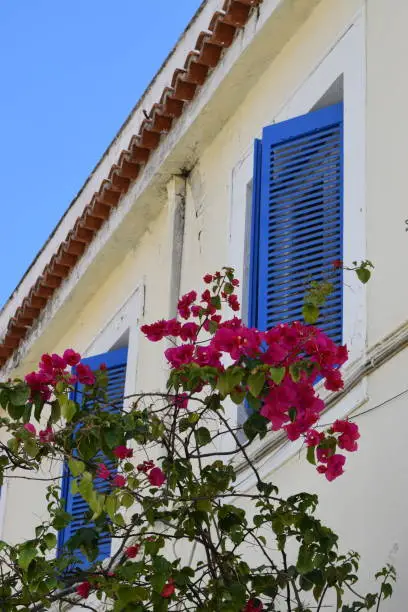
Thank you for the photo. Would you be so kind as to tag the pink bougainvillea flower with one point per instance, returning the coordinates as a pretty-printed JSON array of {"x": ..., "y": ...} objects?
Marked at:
[
  {"x": 349, "y": 435},
  {"x": 173, "y": 328},
  {"x": 46, "y": 435},
  {"x": 184, "y": 304},
  {"x": 335, "y": 465},
  {"x": 313, "y": 437},
  {"x": 71, "y": 358},
  {"x": 122, "y": 452},
  {"x": 58, "y": 362},
  {"x": 180, "y": 355},
  {"x": 103, "y": 472},
  {"x": 233, "y": 302},
  {"x": 168, "y": 588},
  {"x": 334, "y": 380},
  {"x": 324, "y": 454},
  {"x": 132, "y": 551},
  {"x": 253, "y": 605},
  {"x": 337, "y": 263},
  {"x": 145, "y": 466},
  {"x": 189, "y": 331},
  {"x": 83, "y": 589},
  {"x": 181, "y": 400},
  {"x": 208, "y": 278},
  {"x": 119, "y": 481},
  {"x": 30, "y": 428},
  {"x": 156, "y": 331},
  {"x": 85, "y": 374},
  {"x": 156, "y": 477}
]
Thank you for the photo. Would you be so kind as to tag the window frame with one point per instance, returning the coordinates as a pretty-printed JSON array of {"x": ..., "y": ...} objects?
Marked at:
[{"x": 345, "y": 60}]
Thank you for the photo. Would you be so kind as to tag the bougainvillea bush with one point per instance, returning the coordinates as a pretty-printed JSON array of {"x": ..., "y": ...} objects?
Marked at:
[{"x": 181, "y": 537}]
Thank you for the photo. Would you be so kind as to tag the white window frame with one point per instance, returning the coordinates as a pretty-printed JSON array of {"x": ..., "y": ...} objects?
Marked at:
[{"x": 346, "y": 59}]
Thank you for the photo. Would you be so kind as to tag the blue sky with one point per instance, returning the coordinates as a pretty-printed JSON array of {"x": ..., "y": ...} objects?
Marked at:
[{"x": 71, "y": 71}]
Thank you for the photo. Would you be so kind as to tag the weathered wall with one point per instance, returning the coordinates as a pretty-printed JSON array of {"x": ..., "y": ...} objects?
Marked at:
[{"x": 369, "y": 504}]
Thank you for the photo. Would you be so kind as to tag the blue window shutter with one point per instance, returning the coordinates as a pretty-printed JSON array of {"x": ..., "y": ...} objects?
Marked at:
[
  {"x": 74, "y": 504},
  {"x": 297, "y": 213}
]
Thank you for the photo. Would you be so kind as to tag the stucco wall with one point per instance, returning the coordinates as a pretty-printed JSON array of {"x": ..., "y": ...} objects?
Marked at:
[{"x": 369, "y": 504}]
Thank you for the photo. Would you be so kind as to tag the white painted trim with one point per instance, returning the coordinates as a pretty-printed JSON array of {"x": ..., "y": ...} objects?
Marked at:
[
  {"x": 126, "y": 318},
  {"x": 346, "y": 58},
  {"x": 3, "y": 499}
]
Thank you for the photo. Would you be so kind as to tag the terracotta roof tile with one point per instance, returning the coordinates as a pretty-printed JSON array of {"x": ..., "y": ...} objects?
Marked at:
[{"x": 183, "y": 88}]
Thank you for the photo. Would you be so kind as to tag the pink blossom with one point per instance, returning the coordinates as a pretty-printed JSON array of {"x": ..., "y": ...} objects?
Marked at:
[
  {"x": 85, "y": 374},
  {"x": 58, "y": 362},
  {"x": 196, "y": 310},
  {"x": 122, "y": 452},
  {"x": 334, "y": 381},
  {"x": 173, "y": 328},
  {"x": 168, "y": 588},
  {"x": 71, "y": 358},
  {"x": 46, "y": 435},
  {"x": 233, "y": 302},
  {"x": 83, "y": 589},
  {"x": 145, "y": 466},
  {"x": 30, "y": 428},
  {"x": 156, "y": 477},
  {"x": 253, "y": 605},
  {"x": 323, "y": 454},
  {"x": 156, "y": 331},
  {"x": 234, "y": 323},
  {"x": 103, "y": 472},
  {"x": 208, "y": 278},
  {"x": 46, "y": 363},
  {"x": 313, "y": 437},
  {"x": 181, "y": 400},
  {"x": 119, "y": 481},
  {"x": 335, "y": 465},
  {"x": 184, "y": 304},
  {"x": 349, "y": 434},
  {"x": 208, "y": 355},
  {"x": 180, "y": 355},
  {"x": 189, "y": 331},
  {"x": 132, "y": 551}
]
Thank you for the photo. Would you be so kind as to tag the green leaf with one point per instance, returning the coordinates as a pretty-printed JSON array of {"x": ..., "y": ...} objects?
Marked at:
[
  {"x": 27, "y": 554},
  {"x": 277, "y": 374},
  {"x": 237, "y": 396},
  {"x": 50, "y": 540},
  {"x": 310, "y": 455},
  {"x": 16, "y": 412},
  {"x": 256, "y": 383},
  {"x": 254, "y": 425},
  {"x": 128, "y": 594},
  {"x": 310, "y": 313},
  {"x": 76, "y": 467},
  {"x": 68, "y": 408},
  {"x": 85, "y": 487},
  {"x": 31, "y": 447},
  {"x": 19, "y": 396},
  {"x": 363, "y": 275},
  {"x": 127, "y": 500},
  {"x": 202, "y": 436},
  {"x": 204, "y": 505},
  {"x": 111, "y": 505}
]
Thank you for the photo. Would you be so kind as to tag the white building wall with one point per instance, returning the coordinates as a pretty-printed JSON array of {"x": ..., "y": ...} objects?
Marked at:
[{"x": 359, "y": 39}]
